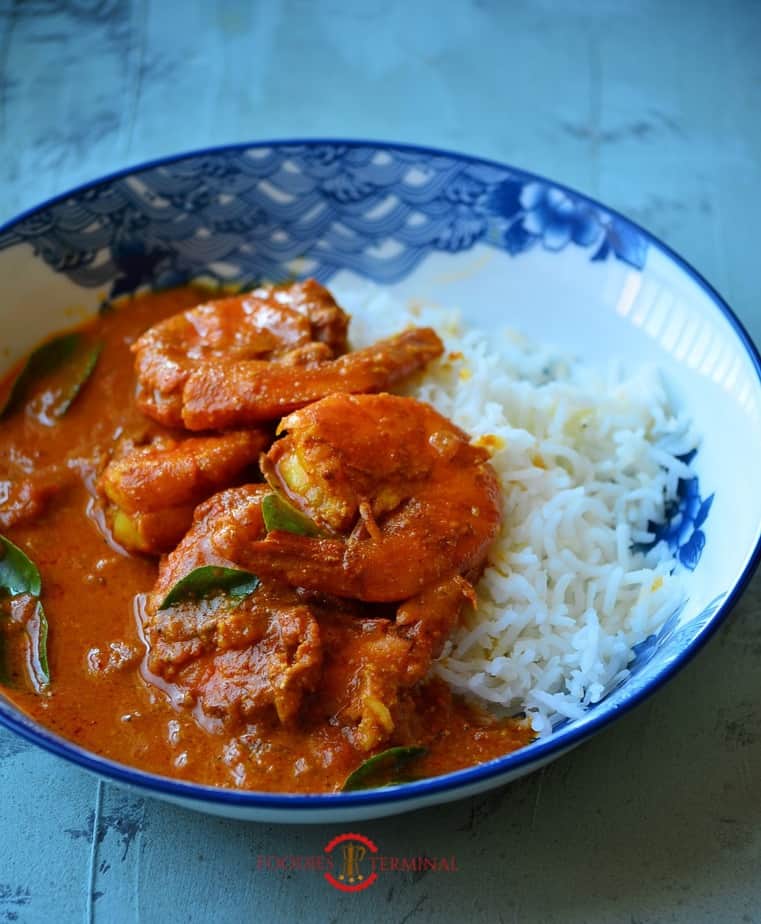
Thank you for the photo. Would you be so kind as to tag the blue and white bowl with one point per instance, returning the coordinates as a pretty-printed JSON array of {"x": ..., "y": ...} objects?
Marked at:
[{"x": 464, "y": 231}]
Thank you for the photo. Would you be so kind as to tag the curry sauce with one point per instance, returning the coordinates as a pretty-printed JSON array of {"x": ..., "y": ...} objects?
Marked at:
[{"x": 106, "y": 693}]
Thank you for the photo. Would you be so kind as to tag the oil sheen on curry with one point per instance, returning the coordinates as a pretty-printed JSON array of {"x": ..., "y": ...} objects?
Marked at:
[{"x": 230, "y": 554}]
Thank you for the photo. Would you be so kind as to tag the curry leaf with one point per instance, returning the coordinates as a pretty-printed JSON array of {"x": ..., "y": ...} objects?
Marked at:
[
  {"x": 40, "y": 648},
  {"x": 82, "y": 368},
  {"x": 383, "y": 769},
  {"x": 18, "y": 574},
  {"x": 20, "y": 577},
  {"x": 40, "y": 362},
  {"x": 209, "y": 581},
  {"x": 279, "y": 514},
  {"x": 73, "y": 356}
]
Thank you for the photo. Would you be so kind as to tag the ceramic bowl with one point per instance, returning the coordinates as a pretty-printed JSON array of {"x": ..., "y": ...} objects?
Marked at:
[{"x": 501, "y": 244}]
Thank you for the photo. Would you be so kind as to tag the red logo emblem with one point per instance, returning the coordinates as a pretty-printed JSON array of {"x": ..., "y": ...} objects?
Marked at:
[{"x": 351, "y": 877}]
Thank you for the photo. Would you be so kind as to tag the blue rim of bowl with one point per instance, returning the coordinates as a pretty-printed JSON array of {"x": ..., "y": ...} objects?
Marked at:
[{"x": 536, "y": 753}]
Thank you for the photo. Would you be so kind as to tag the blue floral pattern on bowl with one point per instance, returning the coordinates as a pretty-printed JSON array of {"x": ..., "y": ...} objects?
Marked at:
[
  {"x": 246, "y": 213},
  {"x": 684, "y": 519},
  {"x": 681, "y": 528},
  {"x": 534, "y": 212},
  {"x": 671, "y": 636}
]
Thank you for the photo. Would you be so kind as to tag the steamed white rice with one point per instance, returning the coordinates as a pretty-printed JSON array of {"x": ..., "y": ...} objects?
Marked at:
[{"x": 587, "y": 458}]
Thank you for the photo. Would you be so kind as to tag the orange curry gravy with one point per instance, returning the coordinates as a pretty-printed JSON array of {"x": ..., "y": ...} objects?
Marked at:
[{"x": 100, "y": 696}]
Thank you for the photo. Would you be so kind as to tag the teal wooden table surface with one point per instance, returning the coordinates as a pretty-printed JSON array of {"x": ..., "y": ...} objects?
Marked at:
[{"x": 653, "y": 107}]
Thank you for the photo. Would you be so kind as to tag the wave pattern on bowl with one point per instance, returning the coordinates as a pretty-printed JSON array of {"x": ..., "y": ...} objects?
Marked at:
[{"x": 308, "y": 210}]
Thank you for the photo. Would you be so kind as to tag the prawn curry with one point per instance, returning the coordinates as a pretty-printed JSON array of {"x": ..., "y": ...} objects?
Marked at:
[{"x": 230, "y": 555}]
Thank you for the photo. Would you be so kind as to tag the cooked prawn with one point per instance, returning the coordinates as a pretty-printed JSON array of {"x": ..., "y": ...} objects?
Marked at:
[
  {"x": 268, "y": 323},
  {"x": 407, "y": 498},
  {"x": 152, "y": 490},
  {"x": 235, "y": 394},
  {"x": 263, "y": 656},
  {"x": 377, "y": 659}
]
